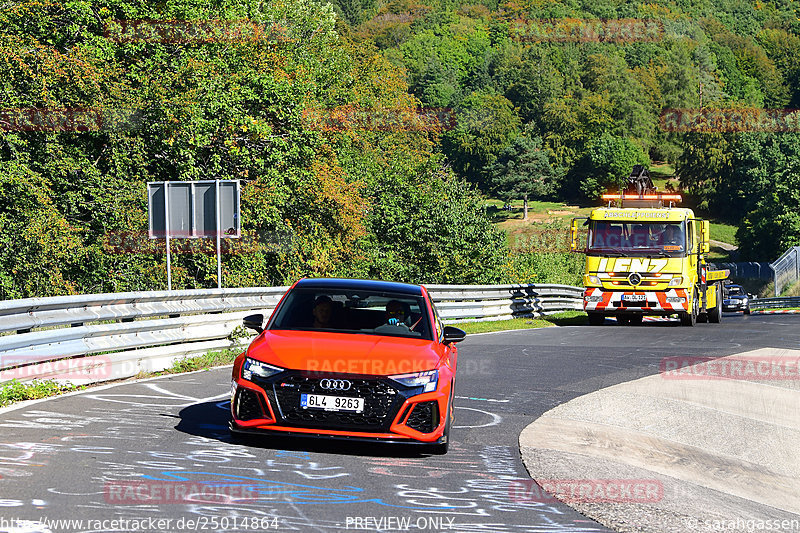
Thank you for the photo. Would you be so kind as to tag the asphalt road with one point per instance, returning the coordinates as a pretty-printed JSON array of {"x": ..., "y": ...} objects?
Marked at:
[{"x": 90, "y": 456}]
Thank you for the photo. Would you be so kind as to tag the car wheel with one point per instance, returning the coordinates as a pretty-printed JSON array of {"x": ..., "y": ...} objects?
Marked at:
[
  {"x": 747, "y": 310},
  {"x": 596, "y": 319},
  {"x": 442, "y": 447},
  {"x": 690, "y": 318}
]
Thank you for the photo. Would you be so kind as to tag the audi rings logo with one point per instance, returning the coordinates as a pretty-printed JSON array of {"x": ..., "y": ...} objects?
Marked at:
[
  {"x": 634, "y": 279},
  {"x": 335, "y": 384}
]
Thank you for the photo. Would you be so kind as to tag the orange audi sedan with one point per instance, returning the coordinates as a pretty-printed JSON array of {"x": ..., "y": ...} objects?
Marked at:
[{"x": 349, "y": 359}]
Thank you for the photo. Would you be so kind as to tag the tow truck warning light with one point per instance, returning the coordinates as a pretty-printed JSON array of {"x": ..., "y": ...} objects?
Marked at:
[{"x": 659, "y": 196}]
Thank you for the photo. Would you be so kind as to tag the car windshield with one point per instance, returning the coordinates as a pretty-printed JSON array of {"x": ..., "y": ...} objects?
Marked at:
[
  {"x": 735, "y": 291},
  {"x": 637, "y": 238},
  {"x": 365, "y": 312}
]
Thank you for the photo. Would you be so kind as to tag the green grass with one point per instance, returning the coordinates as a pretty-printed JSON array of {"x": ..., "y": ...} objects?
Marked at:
[
  {"x": 14, "y": 391},
  {"x": 566, "y": 318},
  {"x": 201, "y": 362},
  {"x": 724, "y": 233}
]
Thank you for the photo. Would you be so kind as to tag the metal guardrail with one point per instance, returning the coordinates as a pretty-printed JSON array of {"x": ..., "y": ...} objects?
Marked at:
[
  {"x": 751, "y": 270},
  {"x": 775, "y": 303},
  {"x": 100, "y": 337},
  {"x": 786, "y": 269}
]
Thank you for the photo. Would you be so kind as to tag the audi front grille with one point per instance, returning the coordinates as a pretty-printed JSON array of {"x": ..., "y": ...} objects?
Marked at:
[{"x": 381, "y": 401}]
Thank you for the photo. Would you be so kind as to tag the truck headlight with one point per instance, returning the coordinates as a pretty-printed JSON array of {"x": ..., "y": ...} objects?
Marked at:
[
  {"x": 262, "y": 370},
  {"x": 593, "y": 280},
  {"x": 674, "y": 282},
  {"x": 428, "y": 379}
]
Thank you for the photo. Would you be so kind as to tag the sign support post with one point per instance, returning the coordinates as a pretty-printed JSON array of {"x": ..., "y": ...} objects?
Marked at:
[
  {"x": 219, "y": 234},
  {"x": 166, "y": 233}
]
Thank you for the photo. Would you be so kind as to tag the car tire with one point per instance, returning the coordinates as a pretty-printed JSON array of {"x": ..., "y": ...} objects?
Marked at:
[
  {"x": 442, "y": 447},
  {"x": 715, "y": 315},
  {"x": 689, "y": 318},
  {"x": 747, "y": 310},
  {"x": 596, "y": 319}
]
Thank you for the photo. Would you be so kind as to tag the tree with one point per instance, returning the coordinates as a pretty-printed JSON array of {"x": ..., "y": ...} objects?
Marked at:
[
  {"x": 607, "y": 162},
  {"x": 524, "y": 170},
  {"x": 487, "y": 124}
]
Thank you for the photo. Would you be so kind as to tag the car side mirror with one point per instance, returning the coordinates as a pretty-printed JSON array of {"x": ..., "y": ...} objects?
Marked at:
[
  {"x": 452, "y": 334},
  {"x": 255, "y": 322}
]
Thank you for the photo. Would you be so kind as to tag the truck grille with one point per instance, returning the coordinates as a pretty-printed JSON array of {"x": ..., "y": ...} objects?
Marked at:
[{"x": 381, "y": 403}]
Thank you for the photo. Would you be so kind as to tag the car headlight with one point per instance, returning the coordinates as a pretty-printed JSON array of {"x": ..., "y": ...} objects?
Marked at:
[
  {"x": 262, "y": 370},
  {"x": 428, "y": 379},
  {"x": 674, "y": 282}
]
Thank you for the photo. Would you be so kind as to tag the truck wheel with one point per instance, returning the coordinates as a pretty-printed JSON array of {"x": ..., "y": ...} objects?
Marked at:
[
  {"x": 702, "y": 318},
  {"x": 636, "y": 320},
  {"x": 690, "y": 318},
  {"x": 596, "y": 319},
  {"x": 715, "y": 315}
]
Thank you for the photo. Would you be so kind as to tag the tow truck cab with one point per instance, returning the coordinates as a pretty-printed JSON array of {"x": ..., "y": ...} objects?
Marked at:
[{"x": 646, "y": 257}]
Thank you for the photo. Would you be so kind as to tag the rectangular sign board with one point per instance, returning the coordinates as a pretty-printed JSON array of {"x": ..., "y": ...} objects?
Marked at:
[{"x": 192, "y": 209}]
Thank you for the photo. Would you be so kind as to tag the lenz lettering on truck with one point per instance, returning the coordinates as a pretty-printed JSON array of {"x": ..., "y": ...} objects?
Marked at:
[{"x": 645, "y": 256}]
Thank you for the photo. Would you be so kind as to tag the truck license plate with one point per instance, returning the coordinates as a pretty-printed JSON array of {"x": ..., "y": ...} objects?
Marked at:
[{"x": 634, "y": 298}]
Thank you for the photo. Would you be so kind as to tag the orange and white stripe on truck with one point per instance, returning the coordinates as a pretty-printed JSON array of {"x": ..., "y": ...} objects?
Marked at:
[{"x": 595, "y": 299}]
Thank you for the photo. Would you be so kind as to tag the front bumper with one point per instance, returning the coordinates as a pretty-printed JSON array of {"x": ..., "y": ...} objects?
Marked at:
[
  {"x": 392, "y": 412},
  {"x": 734, "y": 305},
  {"x": 649, "y": 302}
]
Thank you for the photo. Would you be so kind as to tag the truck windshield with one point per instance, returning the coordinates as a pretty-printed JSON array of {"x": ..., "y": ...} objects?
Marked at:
[{"x": 637, "y": 238}]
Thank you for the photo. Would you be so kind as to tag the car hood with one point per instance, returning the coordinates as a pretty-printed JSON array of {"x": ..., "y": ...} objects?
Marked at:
[{"x": 345, "y": 353}]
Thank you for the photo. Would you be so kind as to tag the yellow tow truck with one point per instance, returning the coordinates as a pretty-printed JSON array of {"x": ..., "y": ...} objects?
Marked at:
[{"x": 644, "y": 256}]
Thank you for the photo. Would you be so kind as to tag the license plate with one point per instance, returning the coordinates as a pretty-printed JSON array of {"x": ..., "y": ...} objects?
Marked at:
[
  {"x": 634, "y": 298},
  {"x": 332, "y": 403}
]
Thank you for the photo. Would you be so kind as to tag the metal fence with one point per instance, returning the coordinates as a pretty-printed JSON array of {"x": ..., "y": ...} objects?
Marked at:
[
  {"x": 775, "y": 303},
  {"x": 751, "y": 270},
  {"x": 100, "y": 337},
  {"x": 786, "y": 269}
]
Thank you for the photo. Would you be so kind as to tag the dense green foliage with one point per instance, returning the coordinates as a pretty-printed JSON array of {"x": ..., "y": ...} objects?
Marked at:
[
  {"x": 321, "y": 196},
  {"x": 598, "y": 105},
  {"x": 328, "y": 194}
]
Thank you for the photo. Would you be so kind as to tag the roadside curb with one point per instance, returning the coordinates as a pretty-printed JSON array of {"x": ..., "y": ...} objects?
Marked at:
[{"x": 722, "y": 450}]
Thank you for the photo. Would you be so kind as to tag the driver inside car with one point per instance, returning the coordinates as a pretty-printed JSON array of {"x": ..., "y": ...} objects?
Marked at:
[{"x": 396, "y": 313}]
